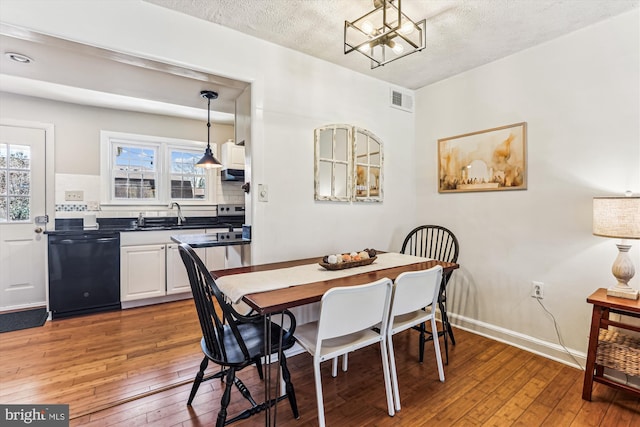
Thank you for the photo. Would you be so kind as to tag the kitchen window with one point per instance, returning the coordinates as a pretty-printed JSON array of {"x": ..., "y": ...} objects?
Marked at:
[{"x": 143, "y": 170}]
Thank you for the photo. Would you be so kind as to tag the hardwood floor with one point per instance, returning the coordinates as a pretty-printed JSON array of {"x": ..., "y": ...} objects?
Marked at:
[{"x": 135, "y": 367}]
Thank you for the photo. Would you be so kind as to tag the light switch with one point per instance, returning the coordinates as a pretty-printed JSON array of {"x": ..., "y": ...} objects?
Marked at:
[{"x": 263, "y": 192}]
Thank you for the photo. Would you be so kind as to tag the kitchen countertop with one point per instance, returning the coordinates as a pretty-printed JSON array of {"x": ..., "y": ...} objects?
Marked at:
[
  {"x": 74, "y": 226},
  {"x": 206, "y": 240}
]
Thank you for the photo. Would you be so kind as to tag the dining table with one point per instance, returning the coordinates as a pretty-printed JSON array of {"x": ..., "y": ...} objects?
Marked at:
[{"x": 270, "y": 289}]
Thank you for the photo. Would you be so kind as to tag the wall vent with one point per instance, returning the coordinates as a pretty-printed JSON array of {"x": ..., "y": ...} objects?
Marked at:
[{"x": 401, "y": 101}]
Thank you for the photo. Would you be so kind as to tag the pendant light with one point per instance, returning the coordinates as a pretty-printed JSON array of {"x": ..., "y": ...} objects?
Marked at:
[{"x": 208, "y": 161}]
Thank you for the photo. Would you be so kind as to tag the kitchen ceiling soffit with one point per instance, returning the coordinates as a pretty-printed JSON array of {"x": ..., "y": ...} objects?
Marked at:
[{"x": 73, "y": 72}]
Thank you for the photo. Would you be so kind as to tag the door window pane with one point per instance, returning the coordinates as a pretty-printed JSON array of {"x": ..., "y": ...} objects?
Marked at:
[
  {"x": 18, "y": 208},
  {"x": 15, "y": 182},
  {"x": 19, "y": 157},
  {"x": 3, "y": 156},
  {"x": 19, "y": 183},
  {"x": 3, "y": 182}
]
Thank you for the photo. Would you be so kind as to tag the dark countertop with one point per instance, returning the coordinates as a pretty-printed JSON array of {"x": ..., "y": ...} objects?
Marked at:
[
  {"x": 74, "y": 225},
  {"x": 206, "y": 240}
]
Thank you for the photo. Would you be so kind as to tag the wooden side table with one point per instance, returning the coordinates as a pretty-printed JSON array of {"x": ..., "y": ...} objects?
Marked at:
[{"x": 603, "y": 305}]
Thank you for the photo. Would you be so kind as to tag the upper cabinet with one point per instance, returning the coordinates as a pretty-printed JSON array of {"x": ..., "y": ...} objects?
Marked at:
[
  {"x": 232, "y": 156},
  {"x": 348, "y": 164}
]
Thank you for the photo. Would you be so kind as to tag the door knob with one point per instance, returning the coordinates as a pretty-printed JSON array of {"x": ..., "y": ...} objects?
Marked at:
[{"x": 39, "y": 230}]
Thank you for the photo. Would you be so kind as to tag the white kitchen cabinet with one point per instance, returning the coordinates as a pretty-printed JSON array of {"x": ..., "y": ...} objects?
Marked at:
[
  {"x": 142, "y": 271},
  {"x": 215, "y": 258},
  {"x": 177, "y": 278},
  {"x": 232, "y": 156},
  {"x": 151, "y": 266}
]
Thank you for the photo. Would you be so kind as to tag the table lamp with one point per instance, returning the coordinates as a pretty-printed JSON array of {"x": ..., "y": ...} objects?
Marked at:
[{"x": 619, "y": 217}]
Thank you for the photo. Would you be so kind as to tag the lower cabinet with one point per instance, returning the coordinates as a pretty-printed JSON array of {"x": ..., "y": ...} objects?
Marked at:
[
  {"x": 177, "y": 278},
  {"x": 151, "y": 270},
  {"x": 142, "y": 272}
]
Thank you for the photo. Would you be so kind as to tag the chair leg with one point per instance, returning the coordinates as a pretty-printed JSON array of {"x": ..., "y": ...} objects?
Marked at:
[
  {"x": 226, "y": 398},
  {"x": 436, "y": 346},
  {"x": 445, "y": 317},
  {"x": 422, "y": 342},
  {"x": 318, "y": 378},
  {"x": 387, "y": 377},
  {"x": 394, "y": 372},
  {"x": 286, "y": 376},
  {"x": 198, "y": 380},
  {"x": 259, "y": 367},
  {"x": 450, "y": 332},
  {"x": 445, "y": 329}
]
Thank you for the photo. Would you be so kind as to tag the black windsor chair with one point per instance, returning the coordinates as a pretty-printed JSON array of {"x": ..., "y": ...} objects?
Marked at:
[
  {"x": 233, "y": 341},
  {"x": 436, "y": 242}
]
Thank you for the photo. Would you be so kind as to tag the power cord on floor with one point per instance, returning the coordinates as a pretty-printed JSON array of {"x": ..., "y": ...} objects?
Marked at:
[{"x": 555, "y": 325}]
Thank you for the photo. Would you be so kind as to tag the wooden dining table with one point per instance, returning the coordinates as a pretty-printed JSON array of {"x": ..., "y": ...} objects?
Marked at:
[{"x": 273, "y": 301}]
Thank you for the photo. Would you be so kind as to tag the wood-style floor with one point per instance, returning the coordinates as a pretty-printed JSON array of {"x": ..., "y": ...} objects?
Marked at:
[{"x": 135, "y": 367}]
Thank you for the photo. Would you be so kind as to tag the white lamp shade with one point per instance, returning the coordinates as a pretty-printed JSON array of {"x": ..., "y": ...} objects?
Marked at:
[{"x": 617, "y": 217}]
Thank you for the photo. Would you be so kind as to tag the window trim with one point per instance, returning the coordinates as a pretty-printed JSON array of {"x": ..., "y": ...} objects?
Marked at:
[{"x": 163, "y": 145}]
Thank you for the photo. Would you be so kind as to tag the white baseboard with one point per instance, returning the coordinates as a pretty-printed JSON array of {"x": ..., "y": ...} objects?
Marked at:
[{"x": 537, "y": 346}]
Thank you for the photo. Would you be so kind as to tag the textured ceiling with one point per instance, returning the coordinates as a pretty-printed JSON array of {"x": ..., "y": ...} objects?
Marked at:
[{"x": 461, "y": 34}]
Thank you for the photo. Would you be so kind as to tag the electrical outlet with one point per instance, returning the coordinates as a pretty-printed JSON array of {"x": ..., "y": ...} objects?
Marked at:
[
  {"x": 537, "y": 290},
  {"x": 74, "y": 196}
]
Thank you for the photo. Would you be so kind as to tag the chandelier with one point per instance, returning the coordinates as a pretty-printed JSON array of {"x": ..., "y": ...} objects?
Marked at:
[{"x": 384, "y": 34}]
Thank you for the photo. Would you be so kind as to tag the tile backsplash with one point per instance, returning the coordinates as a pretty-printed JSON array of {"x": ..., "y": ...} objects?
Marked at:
[{"x": 228, "y": 192}]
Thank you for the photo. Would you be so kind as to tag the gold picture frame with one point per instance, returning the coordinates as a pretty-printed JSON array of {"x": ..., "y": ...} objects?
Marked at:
[{"x": 488, "y": 160}]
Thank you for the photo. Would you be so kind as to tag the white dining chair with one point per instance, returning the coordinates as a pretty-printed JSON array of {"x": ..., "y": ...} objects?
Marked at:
[
  {"x": 413, "y": 292},
  {"x": 347, "y": 318}
]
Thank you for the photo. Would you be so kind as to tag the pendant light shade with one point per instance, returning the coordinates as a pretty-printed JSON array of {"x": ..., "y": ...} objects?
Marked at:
[{"x": 208, "y": 161}]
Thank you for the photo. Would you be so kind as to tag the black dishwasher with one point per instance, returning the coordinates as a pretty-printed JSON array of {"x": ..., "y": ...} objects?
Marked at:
[{"x": 84, "y": 272}]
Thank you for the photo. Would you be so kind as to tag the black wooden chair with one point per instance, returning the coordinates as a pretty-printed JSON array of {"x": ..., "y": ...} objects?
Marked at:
[
  {"x": 436, "y": 242},
  {"x": 233, "y": 341}
]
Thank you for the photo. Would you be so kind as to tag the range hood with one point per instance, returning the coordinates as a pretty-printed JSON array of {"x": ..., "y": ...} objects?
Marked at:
[{"x": 232, "y": 175}]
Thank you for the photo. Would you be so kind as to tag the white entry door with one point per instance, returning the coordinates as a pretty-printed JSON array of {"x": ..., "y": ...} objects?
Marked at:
[{"x": 22, "y": 201}]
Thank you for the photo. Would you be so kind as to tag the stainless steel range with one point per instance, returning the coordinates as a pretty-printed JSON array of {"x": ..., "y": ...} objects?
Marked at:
[
  {"x": 232, "y": 217},
  {"x": 231, "y": 210}
]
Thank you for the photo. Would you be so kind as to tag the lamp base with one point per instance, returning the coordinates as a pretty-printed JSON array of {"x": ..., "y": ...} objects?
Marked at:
[
  {"x": 620, "y": 292},
  {"x": 623, "y": 271}
]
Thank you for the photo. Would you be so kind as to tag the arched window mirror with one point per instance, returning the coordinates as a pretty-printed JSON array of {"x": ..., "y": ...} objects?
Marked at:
[{"x": 348, "y": 164}]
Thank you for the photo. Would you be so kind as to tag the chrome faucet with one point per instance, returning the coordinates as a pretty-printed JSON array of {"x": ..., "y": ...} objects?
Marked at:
[
  {"x": 140, "y": 220},
  {"x": 181, "y": 218}
]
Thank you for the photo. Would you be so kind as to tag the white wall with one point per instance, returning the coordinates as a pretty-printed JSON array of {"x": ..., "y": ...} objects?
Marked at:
[
  {"x": 580, "y": 96},
  {"x": 291, "y": 95}
]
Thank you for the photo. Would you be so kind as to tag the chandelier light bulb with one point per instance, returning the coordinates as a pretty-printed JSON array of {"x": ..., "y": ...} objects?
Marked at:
[
  {"x": 398, "y": 49},
  {"x": 407, "y": 28},
  {"x": 367, "y": 27},
  {"x": 365, "y": 48}
]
